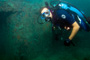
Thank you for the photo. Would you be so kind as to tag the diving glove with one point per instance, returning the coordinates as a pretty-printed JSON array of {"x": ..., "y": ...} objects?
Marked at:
[{"x": 67, "y": 42}]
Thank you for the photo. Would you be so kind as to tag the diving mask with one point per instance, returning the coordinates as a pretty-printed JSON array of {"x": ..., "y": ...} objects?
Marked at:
[{"x": 45, "y": 14}]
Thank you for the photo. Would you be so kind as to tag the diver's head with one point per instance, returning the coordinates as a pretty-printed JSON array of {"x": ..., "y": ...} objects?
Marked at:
[{"x": 46, "y": 14}]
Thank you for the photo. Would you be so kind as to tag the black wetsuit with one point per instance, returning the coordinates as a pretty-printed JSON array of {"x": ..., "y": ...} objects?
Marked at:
[{"x": 63, "y": 18}]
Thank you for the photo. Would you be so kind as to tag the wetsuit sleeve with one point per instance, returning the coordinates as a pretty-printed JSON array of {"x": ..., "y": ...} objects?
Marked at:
[
  {"x": 65, "y": 16},
  {"x": 69, "y": 19}
]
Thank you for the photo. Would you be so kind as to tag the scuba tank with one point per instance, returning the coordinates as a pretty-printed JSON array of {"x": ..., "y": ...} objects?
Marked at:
[
  {"x": 67, "y": 6},
  {"x": 72, "y": 10}
]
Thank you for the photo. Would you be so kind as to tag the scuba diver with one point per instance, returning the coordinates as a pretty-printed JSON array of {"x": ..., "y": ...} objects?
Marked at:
[{"x": 65, "y": 16}]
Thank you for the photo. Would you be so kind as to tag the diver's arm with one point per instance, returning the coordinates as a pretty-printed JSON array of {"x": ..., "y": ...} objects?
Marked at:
[{"x": 74, "y": 30}]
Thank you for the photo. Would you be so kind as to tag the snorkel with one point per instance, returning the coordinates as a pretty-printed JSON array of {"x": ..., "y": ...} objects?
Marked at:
[
  {"x": 43, "y": 17},
  {"x": 46, "y": 3},
  {"x": 46, "y": 14}
]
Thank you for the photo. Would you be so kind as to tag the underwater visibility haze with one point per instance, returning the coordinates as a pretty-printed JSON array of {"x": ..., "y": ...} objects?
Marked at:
[{"x": 23, "y": 38}]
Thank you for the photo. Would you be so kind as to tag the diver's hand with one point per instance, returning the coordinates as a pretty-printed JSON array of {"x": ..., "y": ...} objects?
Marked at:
[{"x": 67, "y": 42}]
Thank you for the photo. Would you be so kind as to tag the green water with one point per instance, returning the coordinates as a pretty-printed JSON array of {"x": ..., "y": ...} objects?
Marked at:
[{"x": 22, "y": 38}]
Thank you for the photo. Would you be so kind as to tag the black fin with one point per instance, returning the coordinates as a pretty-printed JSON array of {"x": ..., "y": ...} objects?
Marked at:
[{"x": 88, "y": 20}]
